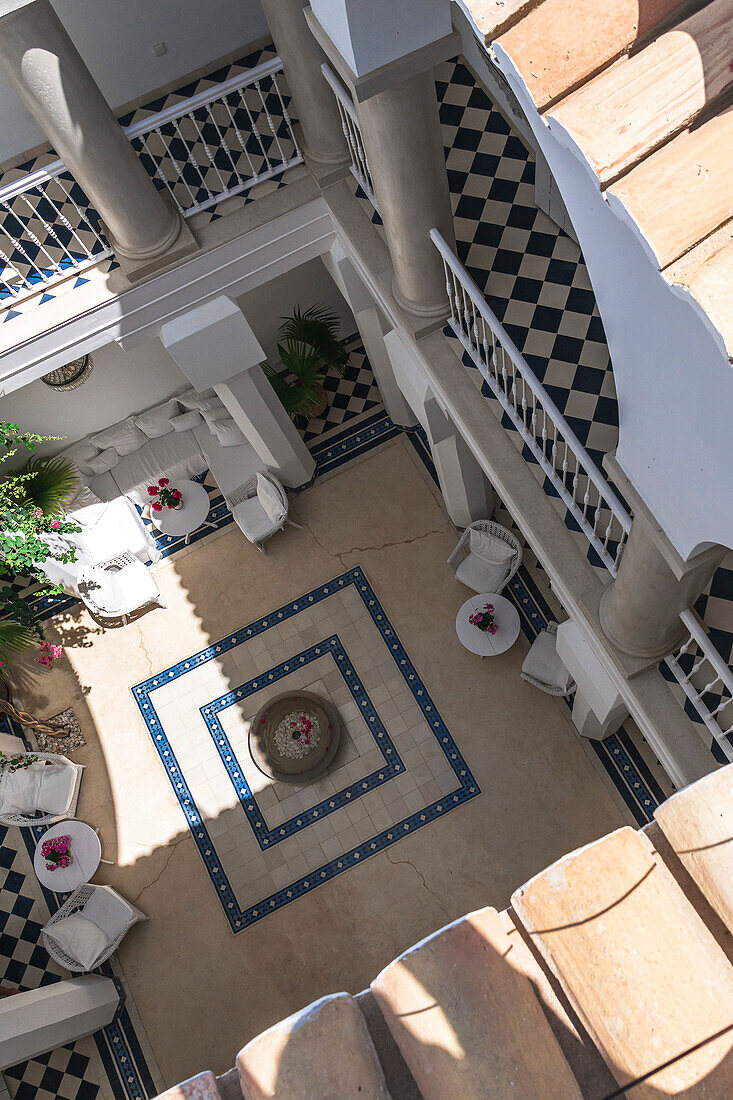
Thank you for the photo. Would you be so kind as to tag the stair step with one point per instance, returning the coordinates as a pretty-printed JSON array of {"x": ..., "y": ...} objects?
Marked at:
[
  {"x": 323, "y": 1051},
  {"x": 561, "y": 43},
  {"x": 698, "y": 823},
  {"x": 643, "y": 972},
  {"x": 201, "y": 1087},
  {"x": 467, "y": 1020},
  {"x": 640, "y": 102},
  {"x": 684, "y": 191}
]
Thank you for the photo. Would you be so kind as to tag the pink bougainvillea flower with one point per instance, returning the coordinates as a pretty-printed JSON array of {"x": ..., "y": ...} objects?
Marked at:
[
  {"x": 157, "y": 507},
  {"x": 38, "y": 513},
  {"x": 163, "y": 481},
  {"x": 55, "y": 524},
  {"x": 152, "y": 490}
]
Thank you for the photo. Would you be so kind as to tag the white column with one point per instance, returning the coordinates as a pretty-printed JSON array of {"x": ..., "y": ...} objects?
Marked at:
[
  {"x": 371, "y": 326},
  {"x": 315, "y": 106},
  {"x": 256, "y": 408},
  {"x": 48, "y": 74},
  {"x": 215, "y": 346},
  {"x": 598, "y": 709},
  {"x": 640, "y": 609},
  {"x": 466, "y": 492}
]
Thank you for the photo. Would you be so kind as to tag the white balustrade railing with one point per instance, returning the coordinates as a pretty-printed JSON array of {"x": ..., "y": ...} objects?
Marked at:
[
  {"x": 221, "y": 141},
  {"x": 47, "y": 232},
  {"x": 352, "y": 132},
  {"x": 579, "y": 483},
  {"x": 707, "y": 674},
  {"x": 215, "y": 144},
  {"x": 701, "y": 672}
]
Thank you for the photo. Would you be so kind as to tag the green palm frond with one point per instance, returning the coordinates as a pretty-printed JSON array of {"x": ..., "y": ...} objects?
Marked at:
[
  {"x": 318, "y": 327},
  {"x": 15, "y": 638},
  {"x": 300, "y": 386},
  {"x": 51, "y": 484}
]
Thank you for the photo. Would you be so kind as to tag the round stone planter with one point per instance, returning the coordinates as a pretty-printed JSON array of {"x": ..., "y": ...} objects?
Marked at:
[{"x": 279, "y": 746}]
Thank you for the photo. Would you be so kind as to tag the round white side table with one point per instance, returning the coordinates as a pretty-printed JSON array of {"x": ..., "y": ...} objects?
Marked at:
[
  {"x": 480, "y": 641},
  {"x": 86, "y": 853},
  {"x": 189, "y": 516}
]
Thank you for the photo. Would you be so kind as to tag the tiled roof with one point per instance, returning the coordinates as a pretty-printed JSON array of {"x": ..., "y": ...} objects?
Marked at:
[{"x": 642, "y": 90}]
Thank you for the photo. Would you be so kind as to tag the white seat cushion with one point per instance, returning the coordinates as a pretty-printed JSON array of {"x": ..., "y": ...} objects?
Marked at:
[
  {"x": 252, "y": 519},
  {"x": 109, "y": 912},
  {"x": 270, "y": 499},
  {"x": 57, "y": 787},
  {"x": 543, "y": 663},
  {"x": 478, "y": 574},
  {"x": 79, "y": 938},
  {"x": 19, "y": 789},
  {"x": 175, "y": 455},
  {"x": 227, "y": 432}
]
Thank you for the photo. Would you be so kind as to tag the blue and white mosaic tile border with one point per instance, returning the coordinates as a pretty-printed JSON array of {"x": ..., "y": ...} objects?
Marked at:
[
  {"x": 25, "y": 964},
  {"x": 466, "y": 786}
]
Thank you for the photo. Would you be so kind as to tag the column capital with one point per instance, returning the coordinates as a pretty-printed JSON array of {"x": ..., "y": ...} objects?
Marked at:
[{"x": 367, "y": 84}]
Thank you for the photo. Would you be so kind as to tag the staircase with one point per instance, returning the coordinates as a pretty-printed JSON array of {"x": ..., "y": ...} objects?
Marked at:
[{"x": 610, "y": 975}]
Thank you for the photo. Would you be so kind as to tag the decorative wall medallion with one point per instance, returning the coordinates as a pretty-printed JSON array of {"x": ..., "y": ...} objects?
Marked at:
[{"x": 70, "y": 376}]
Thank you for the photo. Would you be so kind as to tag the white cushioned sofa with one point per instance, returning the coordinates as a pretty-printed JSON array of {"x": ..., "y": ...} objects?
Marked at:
[{"x": 179, "y": 438}]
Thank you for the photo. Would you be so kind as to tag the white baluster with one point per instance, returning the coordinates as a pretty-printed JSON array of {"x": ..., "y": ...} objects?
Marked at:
[
  {"x": 253, "y": 127},
  {"x": 270, "y": 123},
  {"x": 207, "y": 150}
]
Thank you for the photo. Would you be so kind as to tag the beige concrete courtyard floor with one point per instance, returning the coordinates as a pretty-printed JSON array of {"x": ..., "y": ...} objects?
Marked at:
[{"x": 201, "y": 991}]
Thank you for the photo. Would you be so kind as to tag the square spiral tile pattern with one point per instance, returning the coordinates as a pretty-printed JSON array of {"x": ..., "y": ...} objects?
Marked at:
[{"x": 266, "y": 843}]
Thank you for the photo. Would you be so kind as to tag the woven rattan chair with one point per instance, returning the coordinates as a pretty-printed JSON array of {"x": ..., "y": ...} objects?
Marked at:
[
  {"x": 555, "y": 678},
  {"x": 489, "y": 527},
  {"x": 126, "y": 913},
  {"x": 114, "y": 589},
  {"x": 25, "y": 821},
  {"x": 249, "y": 515}
]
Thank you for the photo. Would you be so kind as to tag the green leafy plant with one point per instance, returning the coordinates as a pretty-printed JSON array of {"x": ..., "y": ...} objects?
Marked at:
[
  {"x": 27, "y": 531},
  {"x": 309, "y": 348},
  {"x": 318, "y": 328},
  {"x": 51, "y": 486}
]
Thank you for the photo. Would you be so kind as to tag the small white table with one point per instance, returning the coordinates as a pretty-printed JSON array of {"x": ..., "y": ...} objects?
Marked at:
[
  {"x": 86, "y": 853},
  {"x": 480, "y": 641},
  {"x": 189, "y": 516}
]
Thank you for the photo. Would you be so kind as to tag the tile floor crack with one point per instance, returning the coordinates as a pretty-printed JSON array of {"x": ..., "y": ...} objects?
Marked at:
[
  {"x": 341, "y": 554},
  {"x": 145, "y": 651},
  {"x": 421, "y": 876},
  {"x": 172, "y": 847}
]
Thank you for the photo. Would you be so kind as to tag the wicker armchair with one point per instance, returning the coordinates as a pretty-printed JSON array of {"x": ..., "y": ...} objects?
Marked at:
[
  {"x": 114, "y": 589},
  {"x": 489, "y": 527},
  {"x": 25, "y": 821},
  {"x": 544, "y": 669},
  {"x": 123, "y": 913},
  {"x": 249, "y": 514}
]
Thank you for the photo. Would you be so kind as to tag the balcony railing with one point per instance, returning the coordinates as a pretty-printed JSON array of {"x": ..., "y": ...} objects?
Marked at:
[
  {"x": 703, "y": 675},
  {"x": 220, "y": 142},
  {"x": 579, "y": 483},
  {"x": 216, "y": 144},
  {"x": 352, "y": 132}
]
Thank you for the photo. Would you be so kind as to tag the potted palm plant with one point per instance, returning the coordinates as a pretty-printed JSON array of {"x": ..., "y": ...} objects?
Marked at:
[{"x": 309, "y": 348}]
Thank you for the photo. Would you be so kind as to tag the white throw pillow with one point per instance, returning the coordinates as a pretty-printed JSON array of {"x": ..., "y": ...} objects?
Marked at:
[
  {"x": 80, "y": 454},
  {"x": 544, "y": 664},
  {"x": 83, "y": 498},
  {"x": 19, "y": 789},
  {"x": 204, "y": 401},
  {"x": 57, "y": 786},
  {"x": 228, "y": 433},
  {"x": 104, "y": 461},
  {"x": 221, "y": 412},
  {"x": 156, "y": 422},
  {"x": 79, "y": 938},
  {"x": 186, "y": 420},
  {"x": 479, "y": 575},
  {"x": 269, "y": 498},
  {"x": 490, "y": 548},
  {"x": 124, "y": 437},
  {"x": 108, "y": 912}
]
